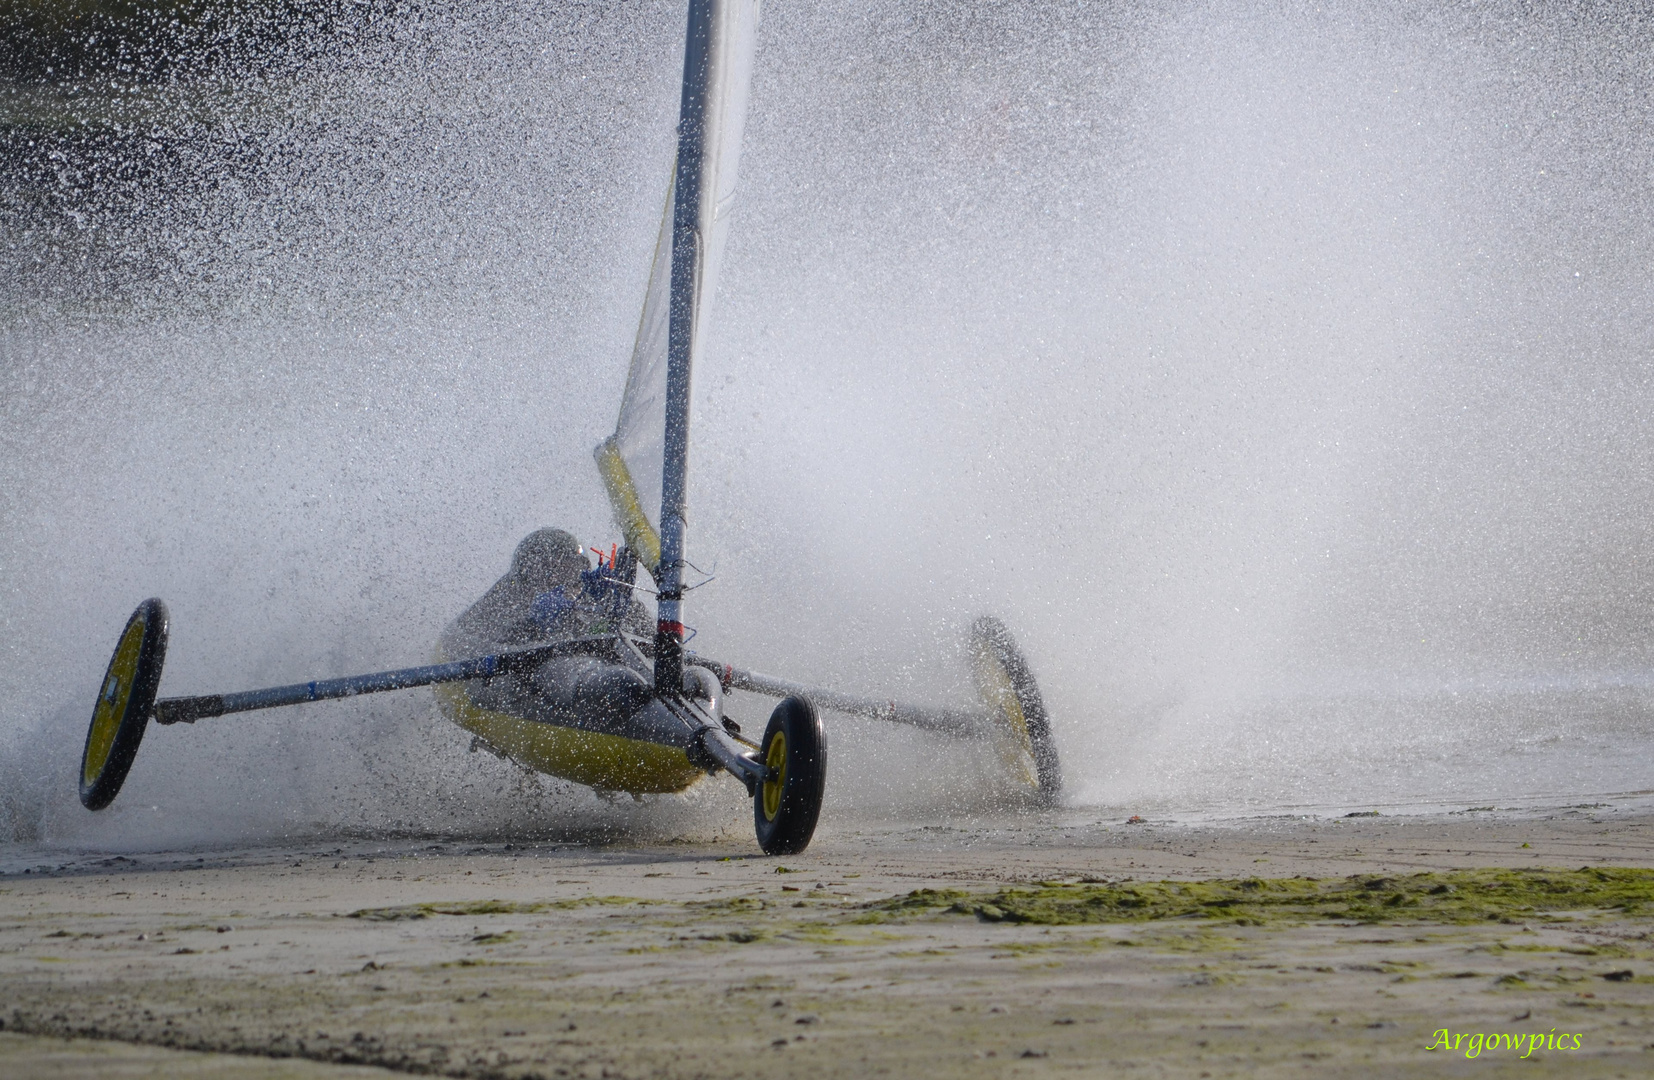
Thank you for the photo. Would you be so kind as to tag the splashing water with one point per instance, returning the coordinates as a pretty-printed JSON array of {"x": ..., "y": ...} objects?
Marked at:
[{"x": 1279, "y": 374}]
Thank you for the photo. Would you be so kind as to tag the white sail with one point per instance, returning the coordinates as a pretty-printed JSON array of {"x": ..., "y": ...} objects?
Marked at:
[{"x": 632, "y": 460}]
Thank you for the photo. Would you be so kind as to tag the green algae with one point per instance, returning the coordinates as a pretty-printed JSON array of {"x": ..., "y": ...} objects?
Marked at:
[
  {"x": 486, "y": 907},
  {"x": 832, "y": 933},
  {"x": 1452, "y": 897},
  {"x": 920, "y": 901},
  {"x": 729, "y": 905}
]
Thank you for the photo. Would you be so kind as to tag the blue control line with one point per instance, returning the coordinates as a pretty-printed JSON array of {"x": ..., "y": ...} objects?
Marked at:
[{"x": 190, "y": 709}]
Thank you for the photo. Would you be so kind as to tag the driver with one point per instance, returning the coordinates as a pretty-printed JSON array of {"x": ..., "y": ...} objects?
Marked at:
[
  {"x": 543, "y": 597},
  {"x": 551, "y": 593},
  {"x": 533, "y": 601}
]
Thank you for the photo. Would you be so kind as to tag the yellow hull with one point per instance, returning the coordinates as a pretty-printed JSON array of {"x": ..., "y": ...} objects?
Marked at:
[{"x": 606, "y": 762}]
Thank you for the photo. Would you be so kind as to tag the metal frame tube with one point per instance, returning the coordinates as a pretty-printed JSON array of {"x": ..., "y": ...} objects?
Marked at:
[
  {"x": 721, "y": 746},
  {"x": 190, "y": 709},
  {"x": 963, "y": 722}
]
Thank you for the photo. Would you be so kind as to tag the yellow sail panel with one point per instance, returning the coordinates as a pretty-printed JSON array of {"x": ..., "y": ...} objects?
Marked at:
[
  {"x": 628, "y": 508},
  {"x": 639, "y": 439}
]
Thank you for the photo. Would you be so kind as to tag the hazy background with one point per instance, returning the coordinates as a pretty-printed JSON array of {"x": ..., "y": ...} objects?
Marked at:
[{"x": 1279, "y": 372}]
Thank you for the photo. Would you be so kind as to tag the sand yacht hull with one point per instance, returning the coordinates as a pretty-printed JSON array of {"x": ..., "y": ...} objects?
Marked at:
[{"x": 585, "y": 718}]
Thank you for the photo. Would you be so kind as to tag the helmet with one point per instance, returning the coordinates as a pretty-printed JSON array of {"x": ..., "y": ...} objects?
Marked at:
[{"x": 549, "y": 557}]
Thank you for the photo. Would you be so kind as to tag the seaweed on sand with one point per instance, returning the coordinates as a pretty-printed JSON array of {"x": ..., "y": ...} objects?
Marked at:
[{"x": 1460, "y": 896}]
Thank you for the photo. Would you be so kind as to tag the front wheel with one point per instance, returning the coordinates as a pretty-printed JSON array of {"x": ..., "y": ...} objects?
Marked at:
[
  {"x": 125, "y": 702},
  {"x": 787, "y": 803}
]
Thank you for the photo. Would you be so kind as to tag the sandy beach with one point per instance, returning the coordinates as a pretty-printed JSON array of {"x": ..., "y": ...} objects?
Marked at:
[{"x": 700, "y": 960}]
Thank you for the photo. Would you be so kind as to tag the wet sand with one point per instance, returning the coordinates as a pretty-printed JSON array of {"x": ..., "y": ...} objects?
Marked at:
[{"x": 697, "y": 959}]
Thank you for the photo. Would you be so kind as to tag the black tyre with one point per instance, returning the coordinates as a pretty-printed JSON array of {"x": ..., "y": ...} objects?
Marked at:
[
  {"x": 125, "y": 702},
  {"x": 1008, "y": 689},
  {"x": 787, "y": 804}
]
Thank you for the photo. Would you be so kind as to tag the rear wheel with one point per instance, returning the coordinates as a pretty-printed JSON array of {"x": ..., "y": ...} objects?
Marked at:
[
  {"x": 1013, "y": 699},
  {"x": 125, "y": 701},
  {"x": 787, "y": 803}
]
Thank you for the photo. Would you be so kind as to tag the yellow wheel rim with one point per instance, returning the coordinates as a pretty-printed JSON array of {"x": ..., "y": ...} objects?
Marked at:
[
  {"x": 1016, "y": 747},
  {"x": 776, "y": 758},
  {"x": 112, "y": 699}
]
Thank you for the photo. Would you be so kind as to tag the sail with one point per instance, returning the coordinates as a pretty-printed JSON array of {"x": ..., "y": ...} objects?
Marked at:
[{"x": 632, "y": 461}]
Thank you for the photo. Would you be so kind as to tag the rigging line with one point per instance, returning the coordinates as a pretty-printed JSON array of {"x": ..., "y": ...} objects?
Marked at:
[
  {"x": 639, "y": 588},
  {"x": 709, "y": 579}
]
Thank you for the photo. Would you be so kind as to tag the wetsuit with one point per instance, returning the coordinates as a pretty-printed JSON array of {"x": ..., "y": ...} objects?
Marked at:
[{"x": 543, "y": 598}]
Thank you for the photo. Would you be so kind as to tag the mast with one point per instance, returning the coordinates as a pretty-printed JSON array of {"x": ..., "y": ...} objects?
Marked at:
[{"x": 686, "y": 242}]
